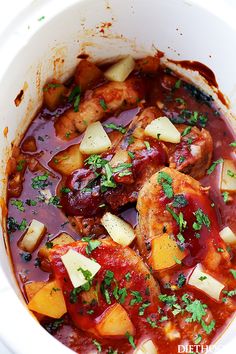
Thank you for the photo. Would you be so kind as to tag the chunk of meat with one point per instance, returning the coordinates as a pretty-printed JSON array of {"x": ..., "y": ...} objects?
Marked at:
[
  {"x": 176, "y": 214},
  {"x": 122, "y": 277},
  {"x": 194, "y": 152},
  {"x": 131, "y": 162},
  {"x": 102, "y": 101}
]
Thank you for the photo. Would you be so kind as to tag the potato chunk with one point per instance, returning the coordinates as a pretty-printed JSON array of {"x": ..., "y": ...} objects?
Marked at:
[
  {"x": 120, "y": 70},
  {"x": 228, "y": 176},
  {"x": 67, "y": 161},
  {"x": 115, "y": 322},
  {"x": 87, "y": 74},
  {"x": 49, "y": 301},
  {"x": 165, "y": 252},
  {"x": 95, "y": 140},
  {"x": 119, "y": 230},
  {"x": 32, "y": 288},
  {"x": 206, "y": 283},
  {"x": 162, "y": 129},
  {"x": 52, "y": 95},
  {"x": 33, "y": 236}
]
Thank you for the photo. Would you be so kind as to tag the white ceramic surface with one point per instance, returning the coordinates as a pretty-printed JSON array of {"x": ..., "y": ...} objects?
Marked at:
[{"x": 31, "y": 52}]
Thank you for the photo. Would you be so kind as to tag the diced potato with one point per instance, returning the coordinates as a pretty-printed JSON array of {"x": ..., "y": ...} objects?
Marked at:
[
  {"x": 32, "y": 236},
  {"x": 162, "y": 129},
  {"x": 165, "y": 252},
  {"x": 62, "y": 239},
  {"x": 147, "y": 347},
  {"x": 119, "y": 230},
  {"x": 67, "y": 161},
  {"x": 29, "y": 144},
  {"x": 120, "y": 157},
  {"x": 32, "y": 288},
  {"x": 205, "y": 282},
  {"x": 95, "y": 140},
  {"x": 72, "y": 261},
  {"x": 227, "y": 182},
  {"x": 49, "y": 301},
  {"x": 52, "y": 95},
  {"x": 115, "y": 322},
  {"x": 87, "y": 74},
  {"x": 227, "y": 235},
  {"x": 120, "y": 70},
  {"x": 148, "y": 65}
]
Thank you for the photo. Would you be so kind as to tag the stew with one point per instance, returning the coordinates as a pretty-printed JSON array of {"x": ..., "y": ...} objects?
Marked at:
[{"x": 121, "y": 211}]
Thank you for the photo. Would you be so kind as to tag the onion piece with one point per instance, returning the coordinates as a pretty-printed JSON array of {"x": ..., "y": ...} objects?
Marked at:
[
  {"x": 120, "y": 231},
  {"x": 33, "y": 236},
  {"x": 227, "y": 235},
  {"x": 206, "y": 283}
]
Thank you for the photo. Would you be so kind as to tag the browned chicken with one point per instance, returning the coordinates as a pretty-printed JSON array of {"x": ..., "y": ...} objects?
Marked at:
[
  {"x": 100, "y": 102},
  {"x": 174, "y": 210},
  {"x": 194, "y": 152}
]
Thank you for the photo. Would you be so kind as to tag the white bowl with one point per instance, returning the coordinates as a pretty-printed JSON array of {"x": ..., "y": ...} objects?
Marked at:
[{"x": 33, "y": 51}]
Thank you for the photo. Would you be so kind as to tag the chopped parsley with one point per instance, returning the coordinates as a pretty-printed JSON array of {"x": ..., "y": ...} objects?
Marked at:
[
  {"x": 130, "y": 339},
  {"x": 181, "y": 280},
  {"x": 147, "y": 145},
  {"x": 54, "y": 200},
  {"x": 179, "y": 201},
  {"x": 231, "y": 174},
  {"x": 95, "y": 161},
  {"x": 103, "y": 104},
  {"x": 186, "y": 131},
  {"x": 20, "y": 165},
  {"x": 177, "y": 260},
  {"x": 18, "y": 204},
  {"x": 230, "y": 293},
  {"x": 40, "y": 181},
  {"x": 233, "y": 272},
  {"x": 13, "y": 225},
  {"x": 131, "y": 154},
  {"x": 202, "y": 277},
  {"x": 178, "y": 84},
  {"x": 137, "y": 297},
  {"x": 201, "y": 219},
  {"x": 198, "y": 339},
  {"x": 113, "y": 126},
  {"x": 65, "y": 190},
  {"x": 213, "y": 166},
  {"x": 178, "y": 218},
  {"x": 233, "y": 144},
  {"x": 30, "y": 202},
  {"x": 165, "y": 181},
  {"x": 152, "y": 323},
  {"x": 97, "y": 345},
  {"x": 130, "y": 140},
  {"x": 128, "y": 276},
  {"x": 225, "y": 196},
  {"x": 180, "y": 100},
  {"x": 168, "y": 299},
  {"x": 74, "y": 98},
  {"x": 49, "y": 244},
  {"x": 143, "y": 307},
  {"x": 107, "y": 180},
  {"x": 92, "y": 244}
]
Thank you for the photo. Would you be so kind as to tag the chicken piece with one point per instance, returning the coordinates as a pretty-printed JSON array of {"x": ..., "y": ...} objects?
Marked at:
[
  {"x": 104, "y": 100},
  {"x": 123, "y": 278},
  {"x": 175, "y": 204},
  {"x": 132, "y": 161},
  {"x": 194, "y": 152}
]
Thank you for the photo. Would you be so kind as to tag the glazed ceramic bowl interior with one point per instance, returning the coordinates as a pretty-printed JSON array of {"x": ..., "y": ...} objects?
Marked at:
[{"x": 44, "y": 41}]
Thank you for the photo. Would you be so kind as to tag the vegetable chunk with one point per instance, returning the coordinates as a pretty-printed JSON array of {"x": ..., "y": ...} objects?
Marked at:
[
  {"x": 119, "y": 230},
  {"x": 228, "y": 176},
  {"x": 69, "y": 160},
  {"x": 95, "y": 140},
  {"x": 162, "y": 129},
  {"x": 115, "y": 322},
  {"x": 120, "y": 70},
  {"x": 33, "y": 236},
  {"x": 165, "y": 252},
  {"x": 49, "y": 301}
]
